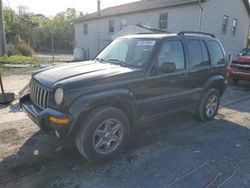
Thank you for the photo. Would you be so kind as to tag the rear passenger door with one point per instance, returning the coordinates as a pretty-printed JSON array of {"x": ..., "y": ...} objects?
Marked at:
[{"x": 200, "y": 67}]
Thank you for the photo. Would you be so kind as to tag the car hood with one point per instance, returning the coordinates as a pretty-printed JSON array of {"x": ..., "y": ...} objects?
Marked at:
[
  {"x": 242, "y": 59},
  {"x": 77, "y": 73}
]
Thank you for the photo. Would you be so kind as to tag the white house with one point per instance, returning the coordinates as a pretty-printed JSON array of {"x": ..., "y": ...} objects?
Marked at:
[{"x": 228, "y": 20}]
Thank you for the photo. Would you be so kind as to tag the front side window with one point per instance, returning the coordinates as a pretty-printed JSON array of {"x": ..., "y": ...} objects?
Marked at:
[
  {"x": 224, "y": 24},
  {"x": 111, "y": 26},
  {"x": 172, "y": 52},
  {"x": 234, "y": 27},
  {"x": 85, "y": 29},
  {"x": 216, "y": 52},
  {"x": 163, "y": 22},
  {"x": 198, "y": 54},
  {"x": 128, "y": 52}
]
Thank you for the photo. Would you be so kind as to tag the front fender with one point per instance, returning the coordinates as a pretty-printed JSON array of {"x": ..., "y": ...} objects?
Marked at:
[{"x": 82, "y": 105}]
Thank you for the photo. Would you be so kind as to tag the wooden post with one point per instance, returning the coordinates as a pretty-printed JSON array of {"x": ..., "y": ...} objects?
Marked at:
[{"x": 1, "y": 84}]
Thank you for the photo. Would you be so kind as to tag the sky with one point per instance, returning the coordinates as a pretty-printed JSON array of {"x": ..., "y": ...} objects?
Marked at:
[{"x": 51, "y": 7}]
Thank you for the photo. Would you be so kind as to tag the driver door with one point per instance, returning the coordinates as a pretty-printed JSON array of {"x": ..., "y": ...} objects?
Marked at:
[{"x": 167, "y": 92}]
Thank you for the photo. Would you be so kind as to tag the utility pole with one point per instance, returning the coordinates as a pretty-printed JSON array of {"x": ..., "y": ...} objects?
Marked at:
[
  {"x": 3, "y": 49},
  {"x": 52, "y": 47}
]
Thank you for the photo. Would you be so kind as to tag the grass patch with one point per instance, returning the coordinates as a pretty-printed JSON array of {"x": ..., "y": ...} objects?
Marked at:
[
  {"x": 19, "y": 59},
  {"x": 5, "y": 71}
]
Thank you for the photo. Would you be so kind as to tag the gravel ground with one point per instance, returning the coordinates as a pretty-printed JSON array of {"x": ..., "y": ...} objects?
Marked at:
[{"x": 178, "y": 151}]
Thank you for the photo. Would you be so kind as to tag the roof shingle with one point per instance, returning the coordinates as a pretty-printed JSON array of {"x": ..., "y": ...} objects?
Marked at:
[
  {"x": 134, "y": 7},
  {"x": 140, "y": 6}
]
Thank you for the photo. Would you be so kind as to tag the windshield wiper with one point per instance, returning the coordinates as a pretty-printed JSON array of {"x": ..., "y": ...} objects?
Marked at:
[
  {"x": 117, "y": 62},
  {"x": 100, "y": 60}
]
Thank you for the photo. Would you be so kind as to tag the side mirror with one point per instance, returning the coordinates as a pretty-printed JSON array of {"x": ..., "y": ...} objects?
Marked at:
[{"x": 168, "y": 67}]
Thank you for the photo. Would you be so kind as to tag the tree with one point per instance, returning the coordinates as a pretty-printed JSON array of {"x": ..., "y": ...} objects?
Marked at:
[
  {"x": 35, "y": 30},
  {"x": 3, "y": 50}
]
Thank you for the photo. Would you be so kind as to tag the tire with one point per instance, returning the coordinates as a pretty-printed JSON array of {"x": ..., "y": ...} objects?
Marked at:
[
  {"x": 103, "y": 134},
  {"x": 209, "y": 105}
]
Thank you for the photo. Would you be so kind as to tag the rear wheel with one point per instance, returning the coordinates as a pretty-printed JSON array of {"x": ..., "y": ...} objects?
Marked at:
[
  {"x": 103, "y": 135},
  {"x": 209, "y": 105}
]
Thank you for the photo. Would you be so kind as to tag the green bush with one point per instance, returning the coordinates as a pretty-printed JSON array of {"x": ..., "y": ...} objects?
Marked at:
[
  {"x": 12, "y": 50},
  {"x": 21, "y": 48},
  {"x": 25, "y": 49}
]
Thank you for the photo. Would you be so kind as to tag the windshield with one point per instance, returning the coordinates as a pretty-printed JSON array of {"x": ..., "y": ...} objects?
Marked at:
[
  {"x": 128, "y": 52},
  {"x": 245, "y": 52}
]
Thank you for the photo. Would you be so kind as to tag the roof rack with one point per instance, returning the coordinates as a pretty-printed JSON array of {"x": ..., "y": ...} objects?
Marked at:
[{"x": 195, "y": 32}]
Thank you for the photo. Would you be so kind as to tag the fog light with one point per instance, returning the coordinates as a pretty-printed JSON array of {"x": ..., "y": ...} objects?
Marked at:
[{"x": 56, "y": 120}]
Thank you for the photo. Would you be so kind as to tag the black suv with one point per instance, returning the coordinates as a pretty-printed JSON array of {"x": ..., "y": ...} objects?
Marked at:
[{"x": 134, "y": 79}]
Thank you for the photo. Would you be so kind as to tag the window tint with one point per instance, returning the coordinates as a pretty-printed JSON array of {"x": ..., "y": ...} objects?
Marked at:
[
  {"x": 206, "y": 60},
  {"x": 216, "y": 53},
  {"x": 198, "y": 55},
  {"x": 172, "y": 52}
]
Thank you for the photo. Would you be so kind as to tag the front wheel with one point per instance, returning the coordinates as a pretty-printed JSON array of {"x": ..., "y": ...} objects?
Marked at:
[
  {"x": 103, "y": 135},
  {"x": 209, "y": 105}
]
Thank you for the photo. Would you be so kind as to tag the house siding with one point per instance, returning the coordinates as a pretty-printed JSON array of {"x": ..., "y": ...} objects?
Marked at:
[
  {"x": 214, "y": 11},
  {"x": 181, "y": 18}
]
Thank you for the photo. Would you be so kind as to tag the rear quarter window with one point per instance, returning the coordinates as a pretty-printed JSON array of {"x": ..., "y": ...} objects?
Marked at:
[
  {"x": 216, "y": 53},
  {"x": 198, "y": 54}
]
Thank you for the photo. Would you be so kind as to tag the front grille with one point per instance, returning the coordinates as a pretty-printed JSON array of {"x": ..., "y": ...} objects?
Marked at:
[
  {"x": 241, "y": 63},
  {"x": 240, "y": 66},
  {"x": 39, "y": 94},
  {"x": 244, "y": 68}
]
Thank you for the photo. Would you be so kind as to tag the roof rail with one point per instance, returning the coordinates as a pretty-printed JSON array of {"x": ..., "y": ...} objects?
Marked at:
[{"x": 195, "y": 32}]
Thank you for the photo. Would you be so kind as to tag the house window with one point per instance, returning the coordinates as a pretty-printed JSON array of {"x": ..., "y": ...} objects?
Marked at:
[
  {"x": 123, "y": 23},
  {"x": 224, "y": 24},
  {"x": 234, "y": 28},
  {"x": 85, "y": 29},
  {"x": 163, "y": 22},
  {"x": 111, "y": 26}
]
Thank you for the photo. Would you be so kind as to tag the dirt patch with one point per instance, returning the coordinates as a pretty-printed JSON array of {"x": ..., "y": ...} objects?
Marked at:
[{"x": 7, "y": 136}]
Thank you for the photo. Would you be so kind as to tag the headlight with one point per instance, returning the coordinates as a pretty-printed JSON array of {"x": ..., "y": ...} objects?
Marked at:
[{"x": 58, "y": 96}]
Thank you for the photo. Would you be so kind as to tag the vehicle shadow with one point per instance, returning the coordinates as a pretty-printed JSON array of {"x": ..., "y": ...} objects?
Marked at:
[
  {"x": 235, "y": 95},
  {"x": 158, "y": 153},
  {"x": 14, "y": 107}
]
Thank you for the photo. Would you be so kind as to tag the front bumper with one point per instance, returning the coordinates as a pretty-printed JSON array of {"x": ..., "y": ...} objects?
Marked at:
[
  {"x": 41, "y": 118},
  {"x": 238, "y": 74}
]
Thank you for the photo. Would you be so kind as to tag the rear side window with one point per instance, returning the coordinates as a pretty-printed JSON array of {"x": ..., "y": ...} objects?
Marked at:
[
  {"x": 198, "y": 54},
  {"x": 216, "y": 53}
]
